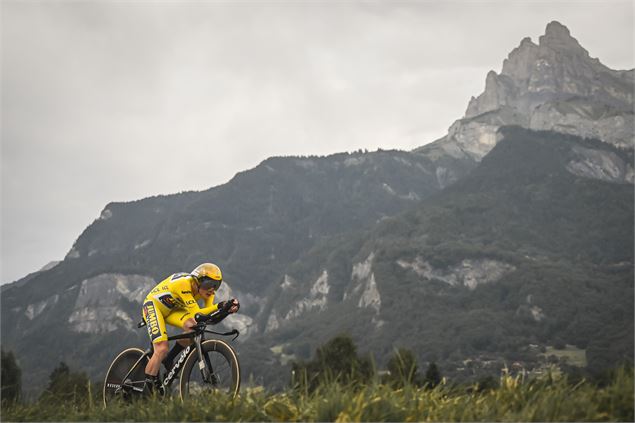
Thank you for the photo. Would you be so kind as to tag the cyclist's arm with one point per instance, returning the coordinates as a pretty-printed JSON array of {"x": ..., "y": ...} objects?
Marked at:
[
  {"x": 210, "y": 307},
  {"x": 184, "y": 291}
]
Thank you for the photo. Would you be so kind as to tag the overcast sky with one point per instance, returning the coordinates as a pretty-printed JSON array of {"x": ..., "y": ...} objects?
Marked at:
[{"x": 119, "y": 100}]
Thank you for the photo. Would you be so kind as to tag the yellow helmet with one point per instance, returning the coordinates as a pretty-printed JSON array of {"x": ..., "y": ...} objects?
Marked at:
[{"x": 208, "y": 276}]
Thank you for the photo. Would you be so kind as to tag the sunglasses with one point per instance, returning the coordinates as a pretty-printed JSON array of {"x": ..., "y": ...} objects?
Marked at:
[{"x": 208, "y": 283}]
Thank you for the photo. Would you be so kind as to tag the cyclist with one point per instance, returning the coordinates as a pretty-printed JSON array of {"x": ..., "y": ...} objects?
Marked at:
[{"x": 174, "y": 301}]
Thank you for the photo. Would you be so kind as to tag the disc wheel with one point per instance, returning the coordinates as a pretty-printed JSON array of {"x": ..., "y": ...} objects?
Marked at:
[
  {"x": 115, "y": 387},
  {"x": 222, "y": 360}
]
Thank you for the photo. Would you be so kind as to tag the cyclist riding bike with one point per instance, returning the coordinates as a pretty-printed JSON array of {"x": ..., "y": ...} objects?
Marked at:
[{"x": 174, "y": 301}]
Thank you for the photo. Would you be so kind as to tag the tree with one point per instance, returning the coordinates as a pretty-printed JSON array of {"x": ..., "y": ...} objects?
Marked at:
[
  {"x": 433, "y": 375},
  {"x": 65, "y": 385},
  {"x": 339, "y": 355},
  {"x": 11, "y": 378},
  {"x": 402, "y": 367},
  {"x": 335, "y": 360}
]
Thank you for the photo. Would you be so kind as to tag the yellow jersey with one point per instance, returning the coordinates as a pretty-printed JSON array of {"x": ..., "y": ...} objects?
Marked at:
[
  {"x": 173, "y": 301},
  {"x": 176, "y": 292}
]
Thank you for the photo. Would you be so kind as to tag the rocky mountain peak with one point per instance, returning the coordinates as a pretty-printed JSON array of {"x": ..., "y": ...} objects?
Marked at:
[
  {"x": 556, "y": 29},
  {"x": 520, "y": 62},
  {"x": 553, "y": 85},
  {"x": 557, "y": 65},
  {"x": 558, "y": 37}
]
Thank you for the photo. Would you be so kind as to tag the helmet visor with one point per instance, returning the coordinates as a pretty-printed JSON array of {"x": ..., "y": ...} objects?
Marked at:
[{"x": 207, "y": 283}]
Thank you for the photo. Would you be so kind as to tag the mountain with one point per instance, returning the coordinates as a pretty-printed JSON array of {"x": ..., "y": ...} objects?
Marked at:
[
  {"x": 254, "y": 227},
  {"x": 522, "y": 252},
  {"x": 24, "y": 280},
  {"x": 554, "y": 85},
  {"x": 478, "y": 248}
]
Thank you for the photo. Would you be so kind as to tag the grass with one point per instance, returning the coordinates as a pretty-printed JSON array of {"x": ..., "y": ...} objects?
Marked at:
[
  {"x": 538, "y": 400},
  {"x": 570, "y": 354}
]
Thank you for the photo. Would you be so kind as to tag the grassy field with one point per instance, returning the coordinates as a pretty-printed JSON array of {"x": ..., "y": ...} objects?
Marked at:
[
  {"x": 539, "y": 400},
  {"x": 570, "y": 354}
]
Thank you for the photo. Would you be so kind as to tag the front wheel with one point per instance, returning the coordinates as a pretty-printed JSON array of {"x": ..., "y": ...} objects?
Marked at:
[
  {"x": 126, "y": 376},
  {"x": 224, "y": 371}
]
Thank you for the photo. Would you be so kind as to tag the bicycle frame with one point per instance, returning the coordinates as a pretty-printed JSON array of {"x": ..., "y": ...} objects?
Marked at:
[
  {"x": 198, "y": 336},
  {"x": 167, "y": 381},
  {"x": 198, "y": 339}
]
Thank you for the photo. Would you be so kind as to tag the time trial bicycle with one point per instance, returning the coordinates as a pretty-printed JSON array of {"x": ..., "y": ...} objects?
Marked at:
[{"x": 204, "y": 367}]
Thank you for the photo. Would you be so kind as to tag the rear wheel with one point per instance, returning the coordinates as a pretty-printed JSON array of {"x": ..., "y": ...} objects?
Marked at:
[
  {"x": 132, "y": 387},
  {"x": 221, "y": 360}
]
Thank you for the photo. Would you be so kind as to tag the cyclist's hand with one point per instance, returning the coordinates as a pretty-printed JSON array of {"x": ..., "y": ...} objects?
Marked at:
[
  {"x": 235, "y": 305},
  {"x": 230, "y": 306}
]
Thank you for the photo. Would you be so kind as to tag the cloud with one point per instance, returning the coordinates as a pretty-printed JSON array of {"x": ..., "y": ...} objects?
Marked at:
[{"x": 116, "y": 101}]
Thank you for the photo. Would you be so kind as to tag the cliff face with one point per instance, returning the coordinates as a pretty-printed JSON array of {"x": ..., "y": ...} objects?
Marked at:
[{"x": 553, "y": 85}]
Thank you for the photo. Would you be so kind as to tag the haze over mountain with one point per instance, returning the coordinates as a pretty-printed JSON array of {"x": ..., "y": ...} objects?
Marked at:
[{"x": 486, "y": 245}]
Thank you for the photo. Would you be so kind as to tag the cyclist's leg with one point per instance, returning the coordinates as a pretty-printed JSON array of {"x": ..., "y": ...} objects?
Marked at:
[
  {"x": 184, "y": 320},
  {"x": 158, "y": 335}
]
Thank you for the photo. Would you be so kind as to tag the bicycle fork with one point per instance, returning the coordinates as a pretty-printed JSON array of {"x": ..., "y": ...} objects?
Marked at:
[{"x": 204, "y": 365}]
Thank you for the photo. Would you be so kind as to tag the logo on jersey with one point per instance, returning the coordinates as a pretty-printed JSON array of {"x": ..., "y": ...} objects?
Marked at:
[
  {"x": 150, "y": 314},
  {"x": 167, "y": 300}
]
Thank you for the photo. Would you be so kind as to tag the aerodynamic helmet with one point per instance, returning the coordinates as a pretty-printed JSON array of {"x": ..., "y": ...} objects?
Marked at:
[{"x": 208, "y": 276}]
